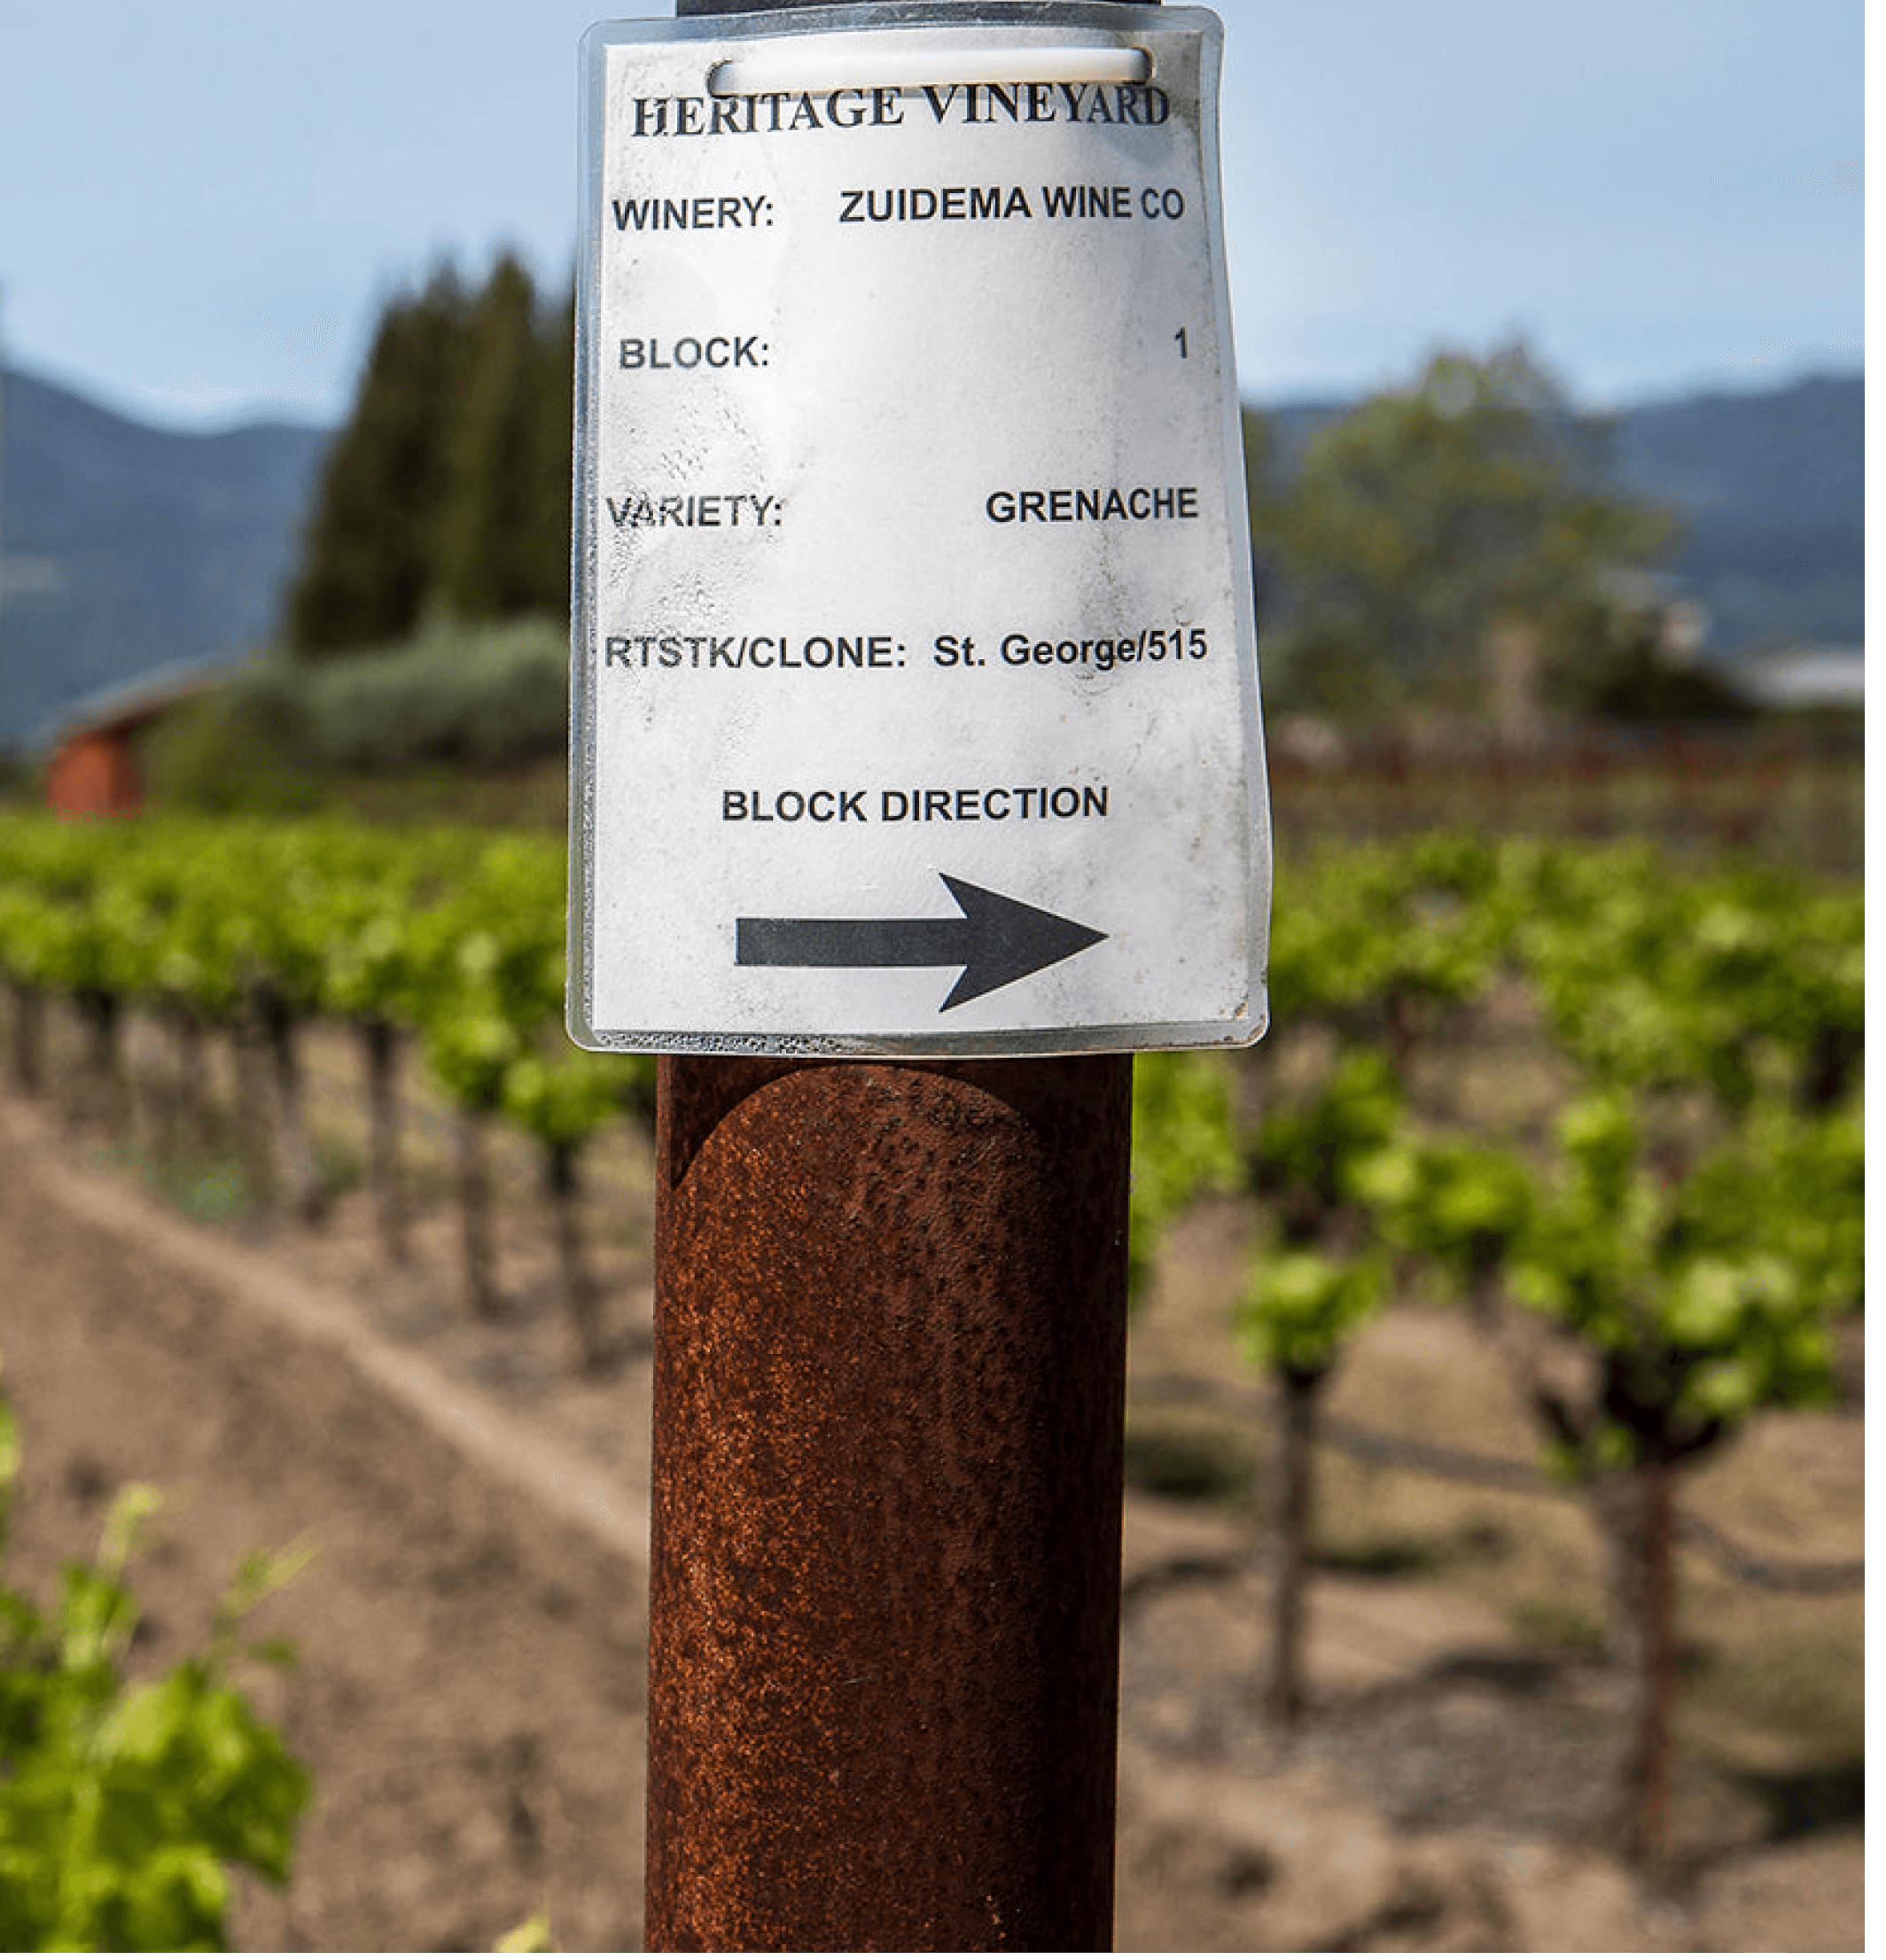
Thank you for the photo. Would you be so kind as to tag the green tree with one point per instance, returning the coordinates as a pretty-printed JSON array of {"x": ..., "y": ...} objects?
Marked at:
[
  {"x": 1433, "y": 522},
  {"x": 504, "y": 541},
  {"x": 549, "y": 518},
  {"x": 448, "y": 490},
  {"x": 370, "y": 562}
]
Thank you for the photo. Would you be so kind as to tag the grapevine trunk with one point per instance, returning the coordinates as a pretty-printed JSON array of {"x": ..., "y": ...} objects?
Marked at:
[
  {"x": 380, "y": 1047},
  {"x": 477, "y": 1239},
  {"x": 1299, "y": 1396},
  {"x": 300, "y": 1171},
  {"x": 583, "y": 1292},
  {"x": 1635, "y": 1509},
  {"x": 29, "y": 1016}
]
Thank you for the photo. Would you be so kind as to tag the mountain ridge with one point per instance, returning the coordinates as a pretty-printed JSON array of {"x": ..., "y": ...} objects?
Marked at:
[{"x": 127, "y": 548}]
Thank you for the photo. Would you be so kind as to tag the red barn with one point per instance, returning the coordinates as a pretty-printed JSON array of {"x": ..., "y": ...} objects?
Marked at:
[{"x": 93, "y": 769}]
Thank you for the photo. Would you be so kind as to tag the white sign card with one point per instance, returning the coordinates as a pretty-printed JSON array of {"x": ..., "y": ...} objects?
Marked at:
[{"x": 914, "y": 698}]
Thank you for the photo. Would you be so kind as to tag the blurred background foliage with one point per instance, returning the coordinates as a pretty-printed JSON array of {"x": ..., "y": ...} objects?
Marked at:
[{"x": 1456, "y": 546}]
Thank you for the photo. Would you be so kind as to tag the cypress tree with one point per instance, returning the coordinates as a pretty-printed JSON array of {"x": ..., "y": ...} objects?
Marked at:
[
  {"x": 551, "y": 499},
  {"x": 488, "y": 522},
  {"x": 448, "y": 489},
  {"x": 368, "y": 563}
]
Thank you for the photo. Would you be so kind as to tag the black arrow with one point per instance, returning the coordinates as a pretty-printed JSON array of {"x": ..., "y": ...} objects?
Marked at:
[{"x": 995, "y": 941}]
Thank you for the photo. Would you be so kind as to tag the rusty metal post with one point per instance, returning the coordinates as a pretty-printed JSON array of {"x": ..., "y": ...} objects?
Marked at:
[
  {"x": 889, "y": 1400},
  {"x": 885, "y": 1596}
]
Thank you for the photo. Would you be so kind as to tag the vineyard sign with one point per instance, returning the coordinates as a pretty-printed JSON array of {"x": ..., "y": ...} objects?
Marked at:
[{"x": 914, "y": 692}]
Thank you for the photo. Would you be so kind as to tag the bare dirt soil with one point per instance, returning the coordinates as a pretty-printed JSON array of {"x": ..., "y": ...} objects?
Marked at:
[{"x": 469, "y": 1689}]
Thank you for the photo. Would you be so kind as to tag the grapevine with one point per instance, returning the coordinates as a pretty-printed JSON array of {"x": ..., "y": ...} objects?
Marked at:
[{"x": 1669, "y": 1255}]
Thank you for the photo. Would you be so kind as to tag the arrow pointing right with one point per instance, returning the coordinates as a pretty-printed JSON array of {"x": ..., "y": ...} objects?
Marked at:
[{"x": 996, "y": 941}]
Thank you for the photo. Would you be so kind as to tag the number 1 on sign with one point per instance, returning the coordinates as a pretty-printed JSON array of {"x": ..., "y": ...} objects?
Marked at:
[{"x": 1184, "y": 355}]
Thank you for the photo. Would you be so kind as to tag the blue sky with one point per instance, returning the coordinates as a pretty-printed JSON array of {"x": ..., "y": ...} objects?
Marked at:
[{"x": 204, "y": 202}]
